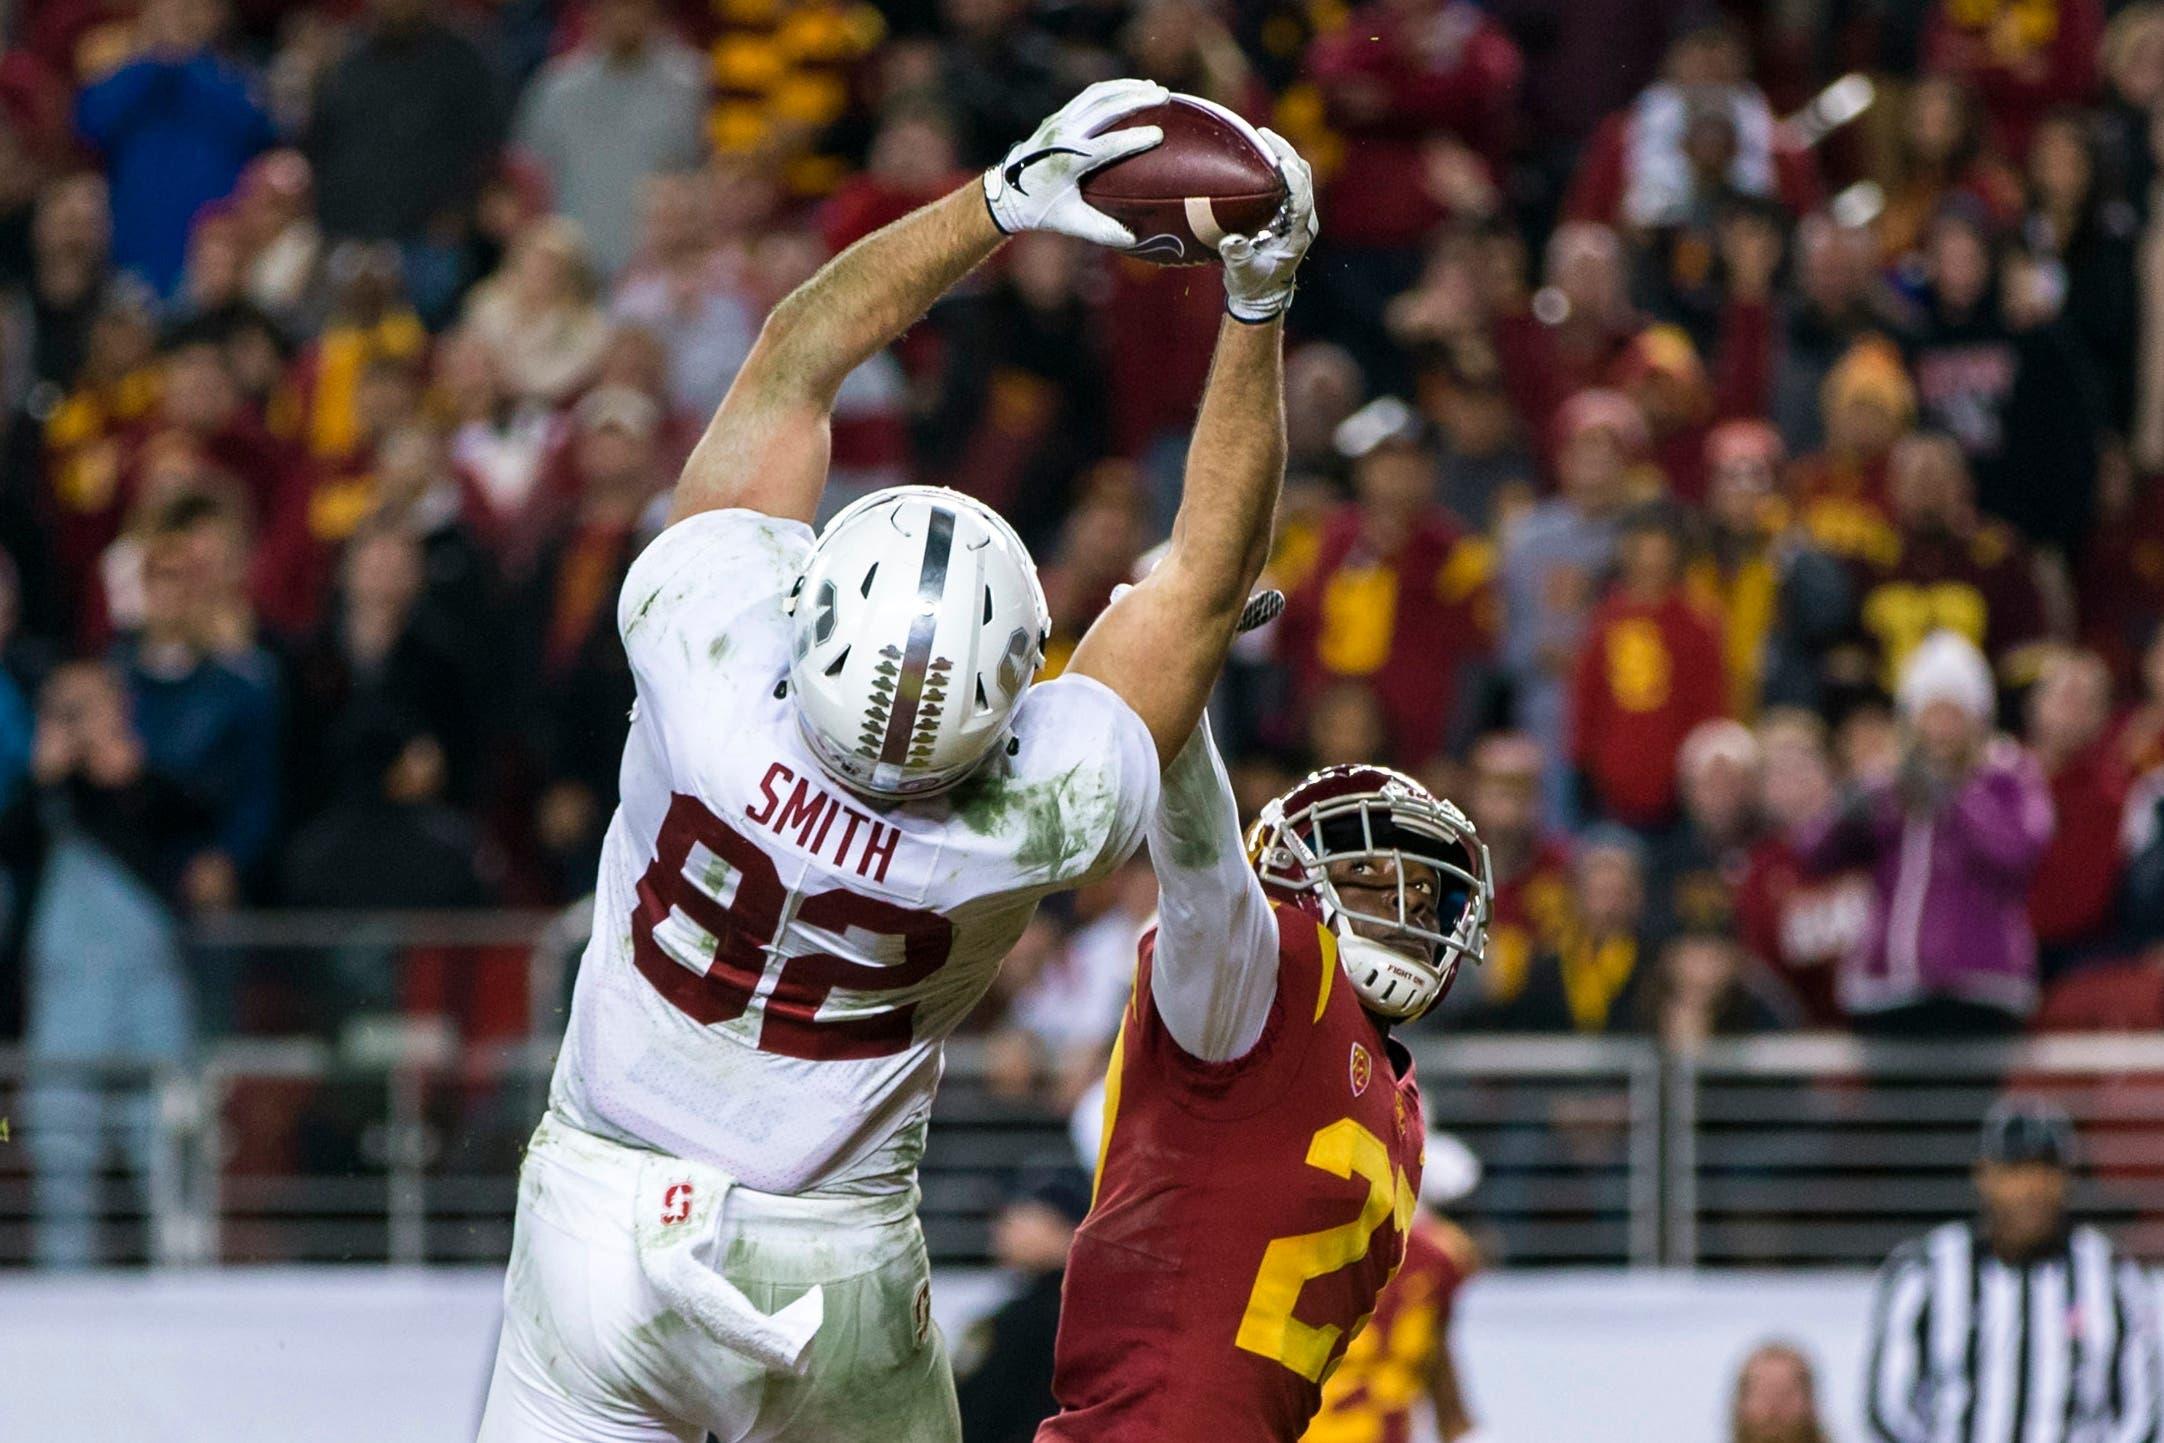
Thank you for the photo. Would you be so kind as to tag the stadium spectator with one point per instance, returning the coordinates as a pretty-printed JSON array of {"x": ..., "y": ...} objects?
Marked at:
[
  {"x": 2073, "y": 900},
  {"x": 1590, "y": 978},
  {"x": 1703, "y": 987},
  {"x": 1070, "y": 1008},
  {"x": 381, "y": 655},
  {"x": 403, "y": 134},
  {"x": 1776, "y": 1398},
  {"x": 1997, "y": 369},
  {"x": 1799, "y": 925},
  {"x": 2096, "y": 1303},
  {"x": 1023, "y": 397},
  {"x": 71, "y": 242},
  {"x": 1833, "y": 306},
  {"x": 1942, "y": 156},
  {"x": 1951, "y": 843},
  {"x": 685, "y": 288},
  {"x": 1398, "y": 594},
  {"x": 1553, "y": 564},
  {"x": 1566, "y": 337},
  {"x": 2132, "y": 66},
  {"x": 576, "y": 675},
  {"x": 387, "y": 840},
  {"x": 1003, "y": 1365},
  {"x": 540, "y": 315},
  {"x": 105, "y": 969},
  {"x": 501, "y": 445},
  {"x": 1780, "y": 602},
  {"x": 1648, "y": 673},
  {"x": 204, "y": 696},
  {"x": 174, "y": 127},
  {"x": 2083, "y": 234},
  {"x": 1695, "y": 869},
  {"x": 625, "y": 105},
  {"x": 1691, "y": 143},
  {"x": 1421, "y": 95},
  {"x": 1530, "y": 865},
  {"x": 1950, "y": 569},
  {"x": 1840, "y": 491},
  {"x": 2022, "y": 62}
]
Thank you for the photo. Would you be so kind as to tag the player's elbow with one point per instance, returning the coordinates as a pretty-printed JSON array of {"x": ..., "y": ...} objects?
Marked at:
[{"x": 789, "y": 362}]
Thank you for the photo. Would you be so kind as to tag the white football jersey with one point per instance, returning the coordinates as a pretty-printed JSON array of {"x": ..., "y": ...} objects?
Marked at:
[{"x": 775, "y": 960}]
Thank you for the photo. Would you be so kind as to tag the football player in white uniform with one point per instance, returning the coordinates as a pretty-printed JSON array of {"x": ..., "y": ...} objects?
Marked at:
[{"x": 842, "y": 799}]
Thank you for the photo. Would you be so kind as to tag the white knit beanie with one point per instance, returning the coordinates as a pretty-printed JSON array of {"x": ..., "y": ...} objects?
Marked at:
[{"x": 1946, "y": 666}]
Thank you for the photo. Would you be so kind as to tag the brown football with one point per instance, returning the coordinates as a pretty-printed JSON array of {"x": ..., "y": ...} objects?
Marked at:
[{"x": 1206, "y": 181}]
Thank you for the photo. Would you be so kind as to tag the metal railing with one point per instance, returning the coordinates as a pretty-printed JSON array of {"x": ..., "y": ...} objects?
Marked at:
[{"x": 391, "y": 1139}]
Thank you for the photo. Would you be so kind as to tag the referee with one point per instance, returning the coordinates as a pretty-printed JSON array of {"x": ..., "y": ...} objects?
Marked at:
[{"x": 2017, "y": 1328}]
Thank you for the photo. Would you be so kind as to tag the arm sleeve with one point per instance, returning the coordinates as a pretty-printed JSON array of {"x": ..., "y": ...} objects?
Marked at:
[
  {"x": 2135, "y": 1371},
  {"x": 2004, "y": 817},
  {"x": 1215, "y": 973},
  {"x": 1894, "y": 1380}
]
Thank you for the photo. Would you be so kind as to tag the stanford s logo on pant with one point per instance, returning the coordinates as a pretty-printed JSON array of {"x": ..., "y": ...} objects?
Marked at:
[
  {"x": 1363, "y": 1068},
  {"x": 676, "y": 1204}
]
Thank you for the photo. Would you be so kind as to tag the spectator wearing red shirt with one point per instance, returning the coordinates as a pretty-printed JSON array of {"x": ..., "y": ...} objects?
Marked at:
[
  {"x": 2023, "y": 57},
  {"x": 1650, "y": 671},
  {"x": 1799, "y": 925},
  {"x": 2073, "y": 896},
  {"x": 1396, "y": 78},
  {"x": 1399, "y": 594},
  {"x": 1568, "y": 337}
]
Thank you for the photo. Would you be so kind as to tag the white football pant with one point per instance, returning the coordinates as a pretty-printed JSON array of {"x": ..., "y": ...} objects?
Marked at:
[{"x": 651, "y": 1299}]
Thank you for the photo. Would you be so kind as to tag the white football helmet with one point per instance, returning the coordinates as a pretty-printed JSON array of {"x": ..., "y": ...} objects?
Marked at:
[{"x": 917, "y": 625}]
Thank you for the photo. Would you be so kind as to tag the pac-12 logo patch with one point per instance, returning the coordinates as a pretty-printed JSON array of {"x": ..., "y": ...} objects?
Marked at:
[
  {"x": 676, "y": 1204},
  {"x": 1363, "y": 1069}
]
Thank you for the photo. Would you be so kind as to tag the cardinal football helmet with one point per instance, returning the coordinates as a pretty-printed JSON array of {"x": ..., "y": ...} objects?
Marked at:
[{"x": 1348, "y": 812}]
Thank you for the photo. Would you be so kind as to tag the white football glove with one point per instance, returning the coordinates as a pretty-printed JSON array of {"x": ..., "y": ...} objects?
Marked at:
[
  {"x": 1039, "y": 184},
  {"x": 1259, "y": 269}
]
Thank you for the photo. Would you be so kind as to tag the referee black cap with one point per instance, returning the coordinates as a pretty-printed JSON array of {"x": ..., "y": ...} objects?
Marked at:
[{"x": 2028, "y": 1130}]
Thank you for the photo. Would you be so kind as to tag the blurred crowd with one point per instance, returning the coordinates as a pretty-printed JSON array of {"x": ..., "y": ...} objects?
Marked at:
[{"x": 1727, "y": 453}]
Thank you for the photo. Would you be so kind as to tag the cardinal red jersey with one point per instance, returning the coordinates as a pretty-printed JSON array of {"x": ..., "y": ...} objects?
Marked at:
[
  {"x": 1390, "y": 1366},
  {"x": 1247, "y": 1214}
]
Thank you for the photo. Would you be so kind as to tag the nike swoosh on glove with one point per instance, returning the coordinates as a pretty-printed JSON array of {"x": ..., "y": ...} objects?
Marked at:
[{"x": 1038, "y": 186}]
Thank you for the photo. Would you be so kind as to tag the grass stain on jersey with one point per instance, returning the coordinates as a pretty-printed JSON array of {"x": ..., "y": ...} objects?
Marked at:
[
  {"x": 1054, "y": 820},
  {"x": 638, "y": 618},
  {"x": 717, "y": 651}
]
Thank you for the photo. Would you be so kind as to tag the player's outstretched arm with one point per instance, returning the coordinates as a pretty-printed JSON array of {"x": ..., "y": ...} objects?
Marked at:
[
  {"x": 766, "y": 448},
  {"x": 1160, "y": 646}
]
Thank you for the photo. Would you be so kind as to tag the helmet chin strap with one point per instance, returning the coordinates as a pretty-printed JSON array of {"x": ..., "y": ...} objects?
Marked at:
[{"x": 1378, "y": 971}]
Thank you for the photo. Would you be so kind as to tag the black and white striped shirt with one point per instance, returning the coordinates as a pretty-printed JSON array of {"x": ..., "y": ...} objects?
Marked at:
[{"x": 1968, "y": 1349}]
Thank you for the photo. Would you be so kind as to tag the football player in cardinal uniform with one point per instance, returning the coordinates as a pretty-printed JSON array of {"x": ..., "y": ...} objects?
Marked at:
[
  {"x": 842, "y": 799},
  {"x": 1260, "y": 1160}
]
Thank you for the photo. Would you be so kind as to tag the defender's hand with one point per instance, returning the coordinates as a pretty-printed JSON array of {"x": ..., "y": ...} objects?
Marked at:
[
  {"x": 1039, "y": 184},
  {"x": 1259, "y": 269}
]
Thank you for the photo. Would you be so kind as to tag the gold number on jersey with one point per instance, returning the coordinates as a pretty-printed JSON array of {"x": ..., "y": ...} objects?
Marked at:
[{"x": 1342, "y": 1149}]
